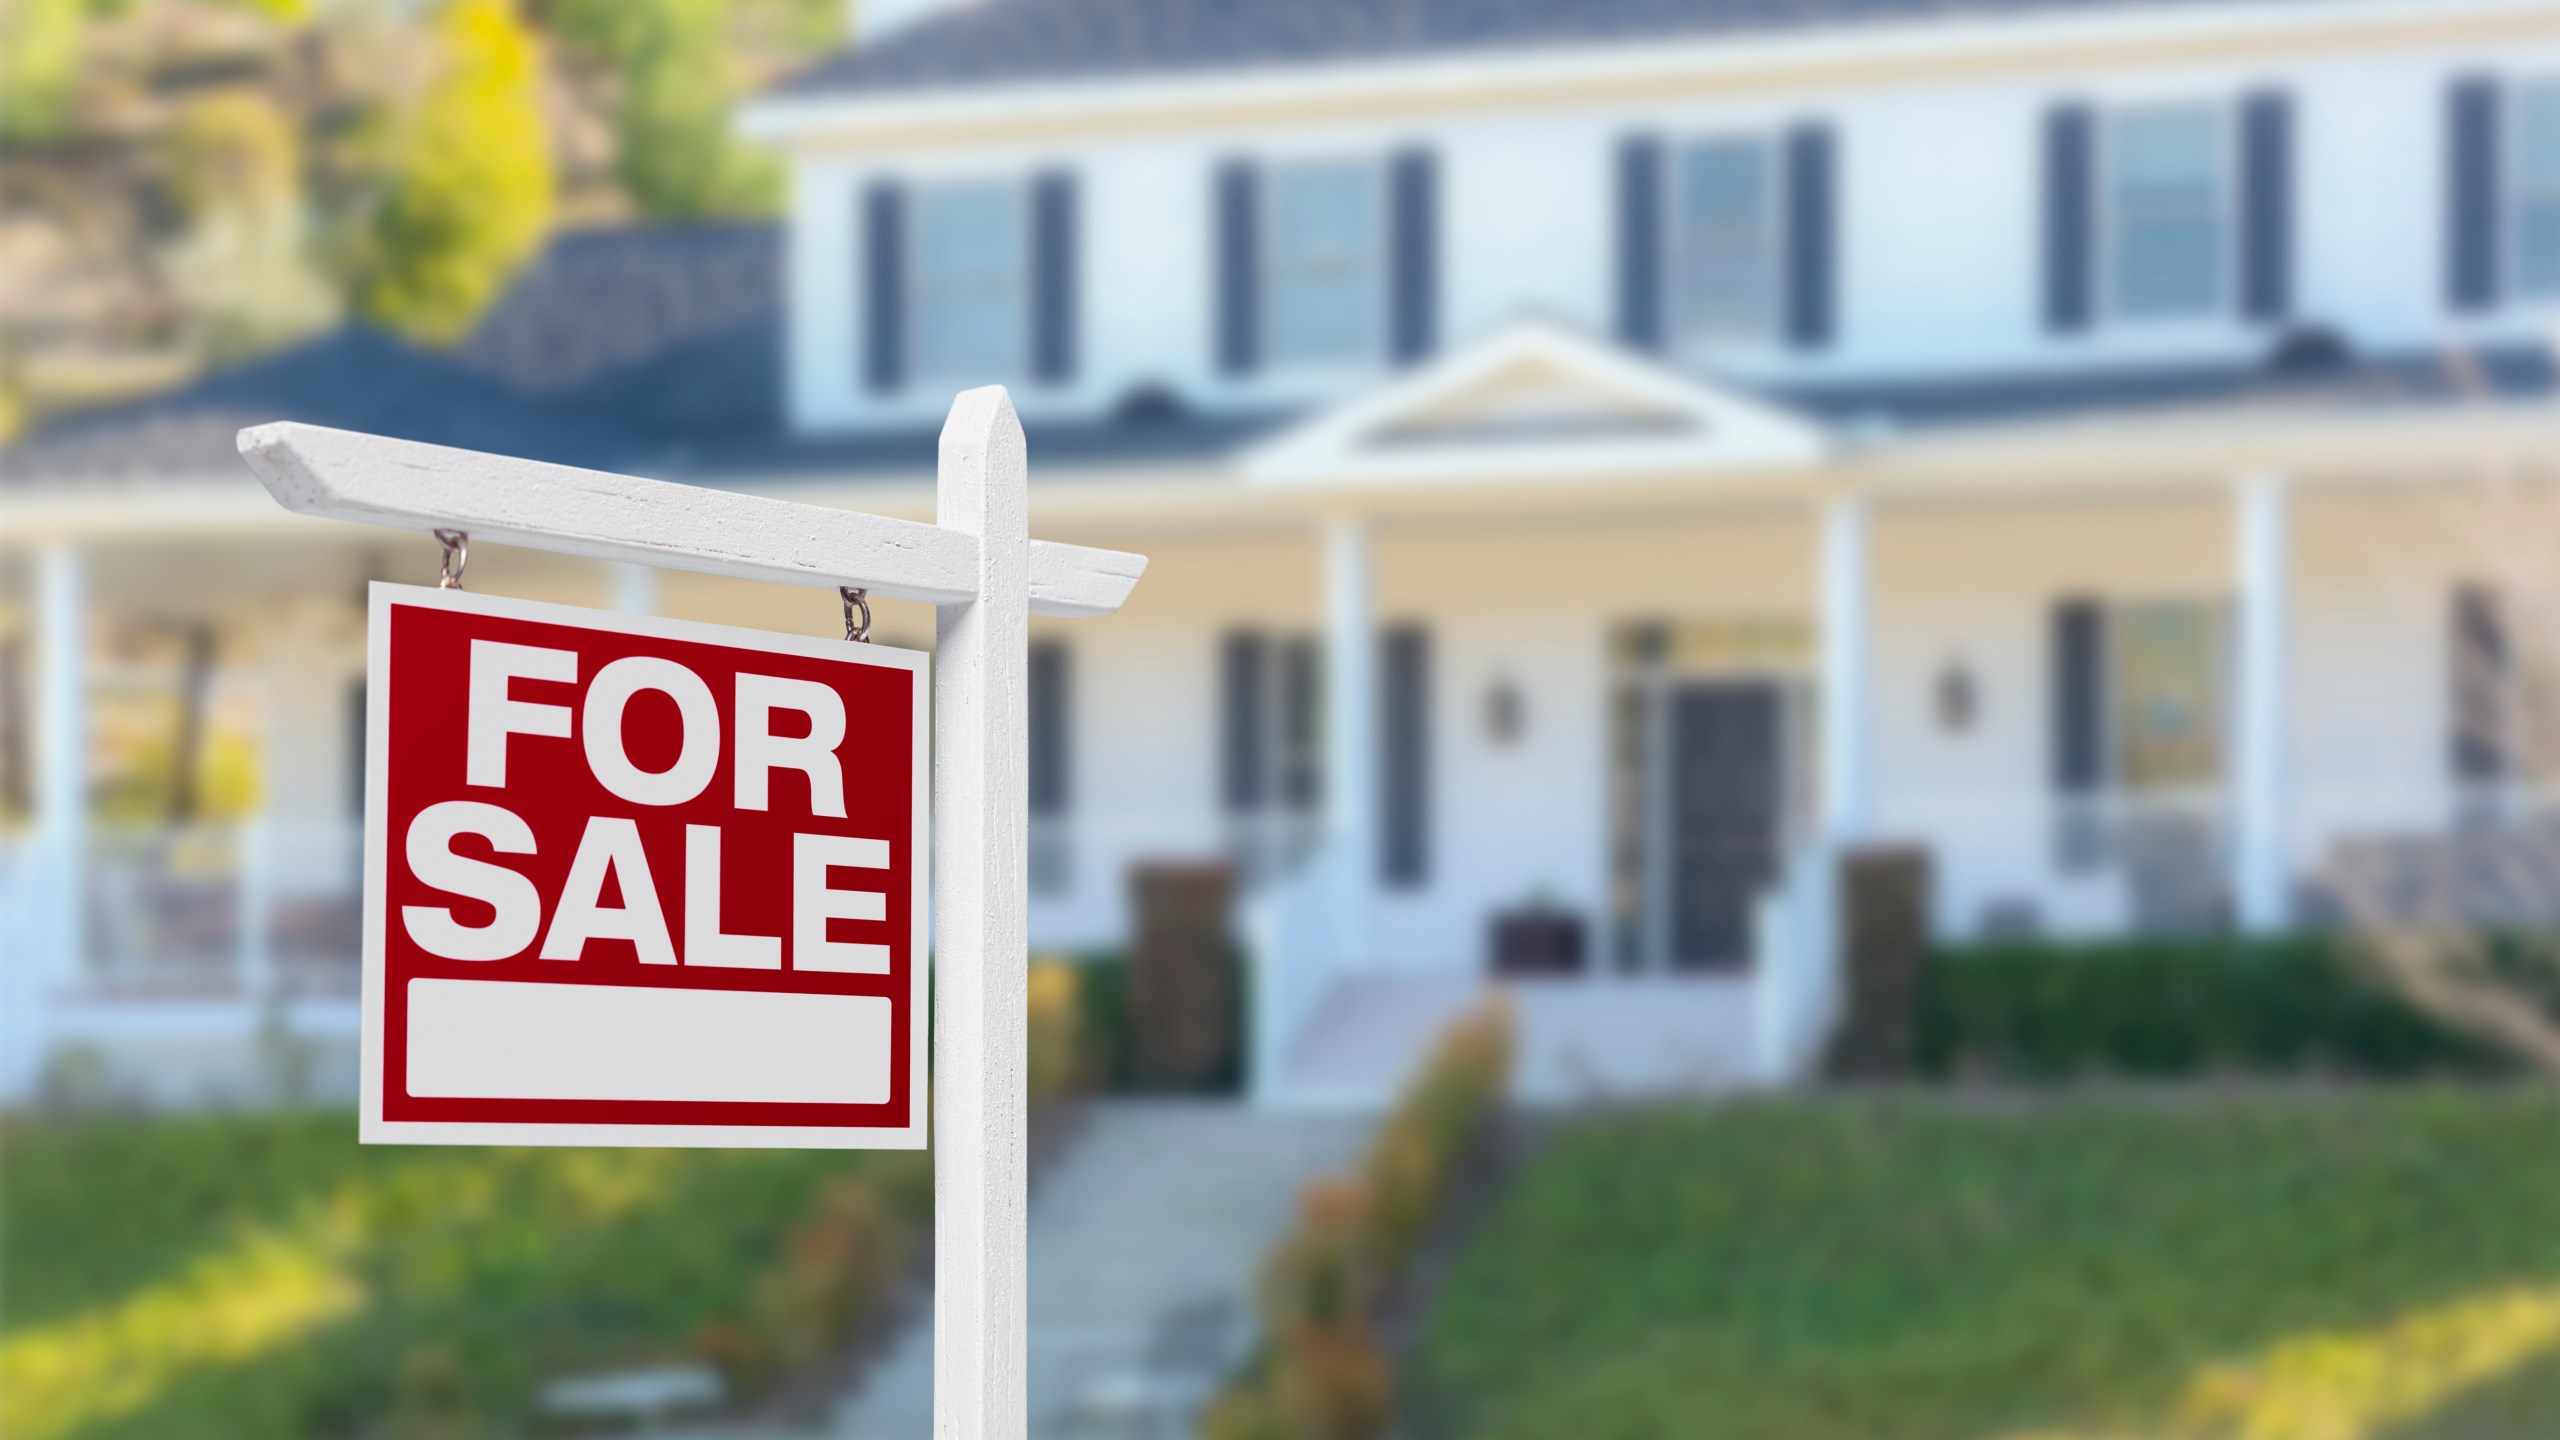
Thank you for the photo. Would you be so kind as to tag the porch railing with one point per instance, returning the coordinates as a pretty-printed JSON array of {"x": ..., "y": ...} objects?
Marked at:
[{"x": 252, "y": 908}]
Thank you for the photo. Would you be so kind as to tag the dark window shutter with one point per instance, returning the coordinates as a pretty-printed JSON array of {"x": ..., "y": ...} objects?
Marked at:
[
  {"x": 1301, "y": 723},
  {"x": 1243, "y": 716},
  {"x": 1405, "y": 851},
  {"x": 2472, "y": 201},
  {"x": 884, "y": 286},
  {"x": 2266, "y": 189},
  {"x": 1812, "y": 189},
  {"x": 2481, "y": 682},
  {"x": 2070, "y": 206},
  {"x": 2079, "y": 697},
  {"x": 1050, "y": 737},
  {"x": 1238, "y": 269},
  {"x": 1053, "y": 277},
  {"x": 1415, "y": 293},
  {"x": 1640, "y": 318}
]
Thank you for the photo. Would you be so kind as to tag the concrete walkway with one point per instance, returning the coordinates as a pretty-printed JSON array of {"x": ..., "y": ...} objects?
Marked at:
[{"x": 1145, "y": 1240}]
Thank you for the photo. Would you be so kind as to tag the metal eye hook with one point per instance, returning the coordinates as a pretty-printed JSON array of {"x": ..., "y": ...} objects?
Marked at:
[
  {"x": 856, "y": 600},
  {"x": 457, "y": 558}
]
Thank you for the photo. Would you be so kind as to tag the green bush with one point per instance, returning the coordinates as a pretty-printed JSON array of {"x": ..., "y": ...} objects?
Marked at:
[
  {"x": 2047, "y": 1010},
  {"x": 1105, "y": 1025}
]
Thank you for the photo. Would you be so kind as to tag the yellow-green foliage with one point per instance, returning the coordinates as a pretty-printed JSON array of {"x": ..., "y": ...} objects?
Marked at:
[
  {"x": 1057, "y": 1062},
  {"x": 469, "y": 177},
  {"x": 1324, "y": 1374},
  {"x": 40, "y": 52}
]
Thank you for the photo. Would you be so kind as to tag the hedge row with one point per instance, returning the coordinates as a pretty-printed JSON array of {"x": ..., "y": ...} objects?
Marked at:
[
  {"x": 2048, "y": 1010},
  {"x": 1323, "y": 1373}
]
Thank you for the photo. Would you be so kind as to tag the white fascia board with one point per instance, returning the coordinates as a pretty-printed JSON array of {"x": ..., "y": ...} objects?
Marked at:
[
  {"x": 1762, "y": 60},
  {"x": 1732, "y": 430}
]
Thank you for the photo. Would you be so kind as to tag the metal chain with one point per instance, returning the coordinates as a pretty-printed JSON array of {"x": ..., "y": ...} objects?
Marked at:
[
  {"x": 457, "y": 558},
  {"x": 856, "y": 600}
]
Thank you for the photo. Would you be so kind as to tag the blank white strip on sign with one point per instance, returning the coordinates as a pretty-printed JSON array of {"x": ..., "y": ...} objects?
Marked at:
[{"x": 529, "y": 1040}]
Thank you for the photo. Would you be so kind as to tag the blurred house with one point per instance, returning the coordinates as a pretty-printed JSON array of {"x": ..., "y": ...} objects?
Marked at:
[{"x": 1599, "y": 462}]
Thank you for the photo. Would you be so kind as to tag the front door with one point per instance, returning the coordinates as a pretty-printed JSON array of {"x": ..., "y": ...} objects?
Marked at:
[{"x": 1722, "y": 817}]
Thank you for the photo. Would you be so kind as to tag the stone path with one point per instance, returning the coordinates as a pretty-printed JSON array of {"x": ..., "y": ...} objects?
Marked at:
[{"x": 1145, "y": 1239}]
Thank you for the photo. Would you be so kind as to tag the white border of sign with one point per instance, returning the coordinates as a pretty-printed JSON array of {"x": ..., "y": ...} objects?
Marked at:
[{"x": 372, "y": 1129}]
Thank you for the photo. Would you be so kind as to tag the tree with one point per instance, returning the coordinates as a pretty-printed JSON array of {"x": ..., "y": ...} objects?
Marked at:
[
  {"x": 2466, "y": 924},
  {"x": 40, "y": 49},
  {"x": 244, "y": 266},
  {"x": 469, "y": 181},
  {"x": 674, "y": 77}
]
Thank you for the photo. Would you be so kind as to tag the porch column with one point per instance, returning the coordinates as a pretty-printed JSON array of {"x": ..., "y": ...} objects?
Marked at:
[
  {"x": 1843, "y": 622},
  {"x": 635, "y": 589},
  {"x": 55, "y": 938},
  {"x": 1351, "y": 709},
  {"x": 2262, "y": 566}
]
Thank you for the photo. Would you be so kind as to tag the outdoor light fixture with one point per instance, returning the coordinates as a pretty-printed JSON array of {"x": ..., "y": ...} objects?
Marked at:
[
  {"x": 1956, "y": 699},
  {"x": 1505, "y": 711}
]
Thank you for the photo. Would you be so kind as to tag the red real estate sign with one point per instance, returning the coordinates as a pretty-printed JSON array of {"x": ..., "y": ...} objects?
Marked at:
[{"x": 632, "y": 881}]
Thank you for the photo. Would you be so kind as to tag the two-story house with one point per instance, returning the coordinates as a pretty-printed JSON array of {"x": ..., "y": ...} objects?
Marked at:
[{"x": 1599, "y": 461}]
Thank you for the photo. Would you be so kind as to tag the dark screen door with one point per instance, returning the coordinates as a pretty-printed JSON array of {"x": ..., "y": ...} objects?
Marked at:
[{"x": 1723, "y": 817}]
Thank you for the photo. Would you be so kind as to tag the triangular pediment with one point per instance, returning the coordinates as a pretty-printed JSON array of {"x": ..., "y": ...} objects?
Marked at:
[{"x": 1537, "y": 398}]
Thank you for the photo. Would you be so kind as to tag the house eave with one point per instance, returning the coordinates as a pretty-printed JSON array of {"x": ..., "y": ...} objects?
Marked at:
[{"x": 1618, "y": 73}]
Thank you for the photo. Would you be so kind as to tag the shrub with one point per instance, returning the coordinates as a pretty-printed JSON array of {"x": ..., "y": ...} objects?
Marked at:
[
  {"x": 1057, "y": 1062},
  {"x": 2175, "y": 1007},
  {"x": 1324, "y": 1372}
]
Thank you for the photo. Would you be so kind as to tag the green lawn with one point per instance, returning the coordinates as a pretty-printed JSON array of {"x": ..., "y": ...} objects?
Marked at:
[
  {"x": 2366, "y": 1265},
  {"x": 264, "y": 1276}
]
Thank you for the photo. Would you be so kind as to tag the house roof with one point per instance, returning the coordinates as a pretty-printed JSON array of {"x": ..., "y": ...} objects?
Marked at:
[
  {"x": 658, "y": 350},
  {"x": 353, "y": 379},
  {"x": 997, "y": 41}
]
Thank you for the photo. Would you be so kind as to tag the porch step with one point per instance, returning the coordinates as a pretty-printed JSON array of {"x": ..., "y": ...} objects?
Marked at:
[
  {"x": 1580, "y": 1040},
  {"x": 1158, "y": 1210}
]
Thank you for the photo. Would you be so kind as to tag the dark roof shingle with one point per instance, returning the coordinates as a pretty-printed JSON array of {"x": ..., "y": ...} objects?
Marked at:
[{"x": 997, "y": 41}]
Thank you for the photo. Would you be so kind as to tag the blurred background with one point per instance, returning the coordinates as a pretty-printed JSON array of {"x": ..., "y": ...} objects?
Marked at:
[{"x": 1842, "y": 726}]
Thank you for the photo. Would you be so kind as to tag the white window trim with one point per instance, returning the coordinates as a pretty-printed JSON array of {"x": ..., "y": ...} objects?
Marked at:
[
  {"x": 911, "y": 285},
  {"x": 2226, "y": 114},
  {"x": 1373, "y": 354},
  {"x": 2511, "y": 190},
  {"x": 1774, "y": 182}
]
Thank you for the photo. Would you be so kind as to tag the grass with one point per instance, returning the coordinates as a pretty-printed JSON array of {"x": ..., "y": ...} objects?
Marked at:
[
  {"x": 232, "y": 1276},
  {"x": 2353, "y": 1265}
]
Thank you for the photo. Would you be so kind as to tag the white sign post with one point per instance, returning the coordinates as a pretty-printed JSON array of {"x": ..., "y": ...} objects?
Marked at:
[{"x": 987, "y": 576}]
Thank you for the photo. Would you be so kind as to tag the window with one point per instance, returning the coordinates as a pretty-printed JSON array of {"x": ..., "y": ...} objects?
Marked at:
[
  {"x": 2168, "y": 208},
  {"x": 967, "y": 298},
  {"x": 1725, "y": 249},
  {"x": 1271, "y": 761},
  {"x": 2534, "y": 182},
  {"x": 1324, "y": 271},
  {"x": 2165, "y": 683}
]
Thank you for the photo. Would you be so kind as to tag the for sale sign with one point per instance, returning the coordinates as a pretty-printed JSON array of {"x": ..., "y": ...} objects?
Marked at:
[{"x": 639, "y": 882}]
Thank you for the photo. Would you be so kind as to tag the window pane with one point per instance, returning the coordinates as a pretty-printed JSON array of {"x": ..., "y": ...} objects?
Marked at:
[
  {"x": 1723, "y": 240},
  {"x": 2166, "y": 200},
  {"x": 2166, "y": 691},
  {"x": 1326, "y": 297},
  {"x": 2537, "y": 190},
  {"x": 968, "y": 282}
]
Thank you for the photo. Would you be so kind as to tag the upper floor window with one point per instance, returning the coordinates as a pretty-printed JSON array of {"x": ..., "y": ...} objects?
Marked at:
[
  {"x": 967, "y": 296},
  {"x": 2168, "y": 211},
  {"x": 1324, "y": 267},
  {"x": 1725, "y": 240},
  {"x": 2534, "y": 187}
]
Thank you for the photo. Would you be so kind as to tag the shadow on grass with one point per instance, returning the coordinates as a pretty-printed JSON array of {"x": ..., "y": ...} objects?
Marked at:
[{"x": 2304, "y": 1267}]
